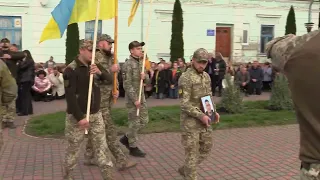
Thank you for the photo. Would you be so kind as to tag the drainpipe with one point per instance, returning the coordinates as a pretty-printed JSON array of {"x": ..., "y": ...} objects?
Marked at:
[
  {"x": 309, "y": 24},
  {"x": 319, "y": 17}
]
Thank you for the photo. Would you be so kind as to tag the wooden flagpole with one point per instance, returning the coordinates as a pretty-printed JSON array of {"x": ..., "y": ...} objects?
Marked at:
[
  {"x": 115, "y": 53},
  {"x": 92, "y": 61},
  {"x": 145, "y": 53}
]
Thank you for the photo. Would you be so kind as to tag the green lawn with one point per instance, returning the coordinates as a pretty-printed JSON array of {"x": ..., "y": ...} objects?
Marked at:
[{"x": 166, "y": 119}]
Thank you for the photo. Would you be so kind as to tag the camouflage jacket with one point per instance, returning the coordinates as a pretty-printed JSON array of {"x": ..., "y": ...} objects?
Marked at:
[
  {"x": 192, "y": 87},
  {"x": 131, "y": 71},
  {"x": 8, "y": 85},
  {"x": 280, "y": 49},
  {"x": 104, "y": 63}
]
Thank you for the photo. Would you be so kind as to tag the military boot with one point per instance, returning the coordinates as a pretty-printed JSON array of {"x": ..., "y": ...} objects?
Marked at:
[
  {"x": 137, "y": 152},
  {"x": 11, "y": 125},
  {"x": 125, "y": 141},
  {"x": 129, "y": 164}
]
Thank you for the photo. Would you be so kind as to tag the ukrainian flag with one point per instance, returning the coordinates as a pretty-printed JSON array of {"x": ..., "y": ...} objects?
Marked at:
[
  {"x": 75, "y": 11},
  {"x": 134, "y": 7}
]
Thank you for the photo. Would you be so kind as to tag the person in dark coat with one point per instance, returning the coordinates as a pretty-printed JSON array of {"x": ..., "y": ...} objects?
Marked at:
[
  {"x": 219, "y": 69},
  {"x": 256, "y": 77},
  {"x": 173, "y": 81},
  {"x": 26, "y": 75},
  {"x": 159, "y": 82},
  {"x": 209, "y": 69}
]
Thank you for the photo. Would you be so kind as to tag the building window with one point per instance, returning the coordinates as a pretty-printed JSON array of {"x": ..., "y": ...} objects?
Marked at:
[
  {"x": 245, "y": 35},
  {"x": 10, "y": 27},
  {"x": 267, "y": 34},
  {"x": 89, "y": 26}
]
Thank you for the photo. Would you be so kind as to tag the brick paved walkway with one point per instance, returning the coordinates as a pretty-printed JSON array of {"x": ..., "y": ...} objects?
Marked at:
[{"x": 248, "y": 153}]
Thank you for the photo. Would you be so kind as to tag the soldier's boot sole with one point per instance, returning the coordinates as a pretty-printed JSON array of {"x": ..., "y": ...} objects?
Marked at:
[
  {"x": 181, "y": 171},
  {"x": 128, "y": 165},
  {"x": 136, "y": 152}
]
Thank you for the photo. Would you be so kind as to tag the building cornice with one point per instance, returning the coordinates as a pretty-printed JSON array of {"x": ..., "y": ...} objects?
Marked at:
[
  {"x": 14, "y": 4},
  {"x": 266, "y": 4}
]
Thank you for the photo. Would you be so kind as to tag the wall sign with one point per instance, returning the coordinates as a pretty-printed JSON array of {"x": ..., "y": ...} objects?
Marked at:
[{"x": 210, "y": 32}]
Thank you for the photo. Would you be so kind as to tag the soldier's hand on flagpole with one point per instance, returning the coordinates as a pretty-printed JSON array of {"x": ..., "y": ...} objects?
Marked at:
[
  {"x": 142, "y": 76},
  {"x": 84, "y": 124},
  {"x": 94, "y": 69},
  {"x": 137, "y": 104},
  {"x": 115, "y": 94},
  {"x": 115, "y": 68}
]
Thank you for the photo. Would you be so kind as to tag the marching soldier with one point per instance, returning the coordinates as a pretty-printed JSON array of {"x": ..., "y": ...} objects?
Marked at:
[
  {"x": 8, "y": 92},
  {"x": 131, "y": 81},
  {"x": 104, "y": 59},
  {"x": 11, "y": 59},
  {"x": 76, "y": 81},
  {"x": 298, "y": 58},
  {"x": 195, "y": 124}
]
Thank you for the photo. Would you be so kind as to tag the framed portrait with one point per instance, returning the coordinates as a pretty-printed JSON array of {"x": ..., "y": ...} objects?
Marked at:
[{"x": 208, "y": 107}]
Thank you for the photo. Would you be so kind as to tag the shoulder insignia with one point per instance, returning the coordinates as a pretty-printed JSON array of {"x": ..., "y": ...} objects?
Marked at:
[{"x": 180, "y": 93}]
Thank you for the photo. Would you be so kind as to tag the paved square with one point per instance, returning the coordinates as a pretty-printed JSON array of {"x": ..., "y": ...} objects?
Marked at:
[{"x": 244, "y": 154}]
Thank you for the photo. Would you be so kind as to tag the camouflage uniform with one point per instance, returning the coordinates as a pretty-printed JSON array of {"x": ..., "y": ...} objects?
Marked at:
[
  {"x": 9, "y": 112},
  {"x": 298, "y": 58},
  {"x": 8, "y": 91},
  {"x": 106, "y": 61},
  {"x": 96, "y": 133},
  {"x": 131, "y": 83},
  {"x": 196, "y": 138}
]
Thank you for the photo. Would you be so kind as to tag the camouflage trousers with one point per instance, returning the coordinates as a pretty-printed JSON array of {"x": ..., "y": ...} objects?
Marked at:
[
  {"x": 197, "y": 145},
  {"x": 9, "y": 112},
  {"x": 96, "y": 134},
  {"x": 112, "y": 140},
  {"x": 312, "y": 174},
  {"x": 136, "y": 122}
]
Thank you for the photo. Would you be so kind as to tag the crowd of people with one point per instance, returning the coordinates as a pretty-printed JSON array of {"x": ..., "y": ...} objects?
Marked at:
[
  {"x": 251, "y": 78},
  {"x": 38, "y": 82}
]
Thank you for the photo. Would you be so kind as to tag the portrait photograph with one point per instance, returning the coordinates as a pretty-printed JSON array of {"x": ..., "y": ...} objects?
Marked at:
[{"x": 208, "y": 107}]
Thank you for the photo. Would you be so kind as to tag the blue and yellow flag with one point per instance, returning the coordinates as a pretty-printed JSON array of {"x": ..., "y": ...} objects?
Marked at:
[
  {"x": 134, "y": 7},
  {"x": 75, "y": 11}
]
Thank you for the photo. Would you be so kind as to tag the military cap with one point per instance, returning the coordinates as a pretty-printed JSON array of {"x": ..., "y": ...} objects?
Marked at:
[
  {"x": 84, "y": 43},
  {"x": 200, "y": 55},
  {"x": 135, "y": 44},
  {"x": 105, "y": 37},
  {"x": 5, "y": 40}
]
